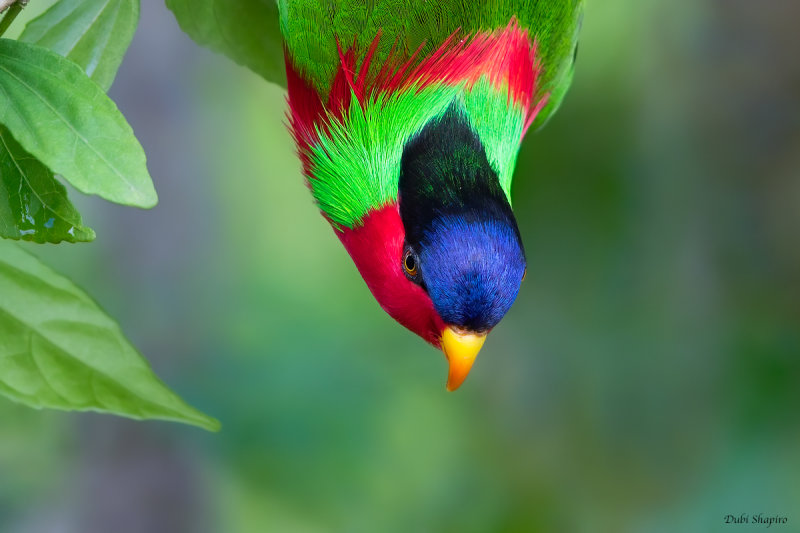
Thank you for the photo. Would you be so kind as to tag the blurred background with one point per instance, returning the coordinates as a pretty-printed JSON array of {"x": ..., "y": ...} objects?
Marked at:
[{"x": 646, "y": 380}]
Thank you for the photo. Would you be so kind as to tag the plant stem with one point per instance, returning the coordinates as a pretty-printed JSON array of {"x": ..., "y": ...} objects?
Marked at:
[{"x": 9, "y": 17}]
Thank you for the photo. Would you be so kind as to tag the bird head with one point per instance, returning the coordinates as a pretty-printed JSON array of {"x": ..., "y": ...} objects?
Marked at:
[
  {"x": 447, "y": 260},
  {"x": 471, "y": 270}
]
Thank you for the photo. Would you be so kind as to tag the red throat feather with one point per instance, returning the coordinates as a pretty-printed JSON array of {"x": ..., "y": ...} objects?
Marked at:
[{"x": 377, "y": 248}]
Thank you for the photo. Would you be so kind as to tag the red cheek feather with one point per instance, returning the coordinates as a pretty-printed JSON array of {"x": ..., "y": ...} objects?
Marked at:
[{"x": 376, "y": 247}]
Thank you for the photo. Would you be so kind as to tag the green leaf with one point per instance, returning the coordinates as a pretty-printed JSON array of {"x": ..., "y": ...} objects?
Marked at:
[
  {"x": 59, "y": 350},
  {"x": 92, "y": 33},
  {"x": 65, "y": 120},
  {"x": 247, "y": 31},
  {"x": 33, "y": 204}
]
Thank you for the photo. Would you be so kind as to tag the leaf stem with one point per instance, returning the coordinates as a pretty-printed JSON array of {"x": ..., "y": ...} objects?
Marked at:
[{"x": 10, "y": 15}]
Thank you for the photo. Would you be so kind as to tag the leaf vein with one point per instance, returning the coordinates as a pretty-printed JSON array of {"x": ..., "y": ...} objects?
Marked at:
[{"x": 78, "y": 135}]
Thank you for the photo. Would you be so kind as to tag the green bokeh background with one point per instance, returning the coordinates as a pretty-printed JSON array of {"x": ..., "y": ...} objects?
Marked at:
[{"x": 646, "y": 380}]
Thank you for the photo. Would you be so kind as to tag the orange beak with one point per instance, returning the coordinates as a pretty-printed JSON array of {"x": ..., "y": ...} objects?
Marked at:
[{"x": 460, "y": 348}]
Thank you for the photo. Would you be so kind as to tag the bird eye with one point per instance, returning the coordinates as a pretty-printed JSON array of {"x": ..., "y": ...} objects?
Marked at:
[{"x": 410, "y": 263}]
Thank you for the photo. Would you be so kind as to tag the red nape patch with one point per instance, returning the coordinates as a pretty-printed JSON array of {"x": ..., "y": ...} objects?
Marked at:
[
  {"x": 506, "y": 56},
  {"x": 377, "y": 250}
]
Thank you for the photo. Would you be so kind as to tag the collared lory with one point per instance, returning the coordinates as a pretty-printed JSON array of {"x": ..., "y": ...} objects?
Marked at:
[{"x": 408, "y": 116}]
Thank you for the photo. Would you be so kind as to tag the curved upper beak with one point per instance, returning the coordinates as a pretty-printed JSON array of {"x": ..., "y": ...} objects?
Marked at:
[{"x": 460, "y": 348}]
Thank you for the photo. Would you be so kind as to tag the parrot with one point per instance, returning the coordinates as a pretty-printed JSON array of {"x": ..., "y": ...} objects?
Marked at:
[{"x": 407, "y": 116}]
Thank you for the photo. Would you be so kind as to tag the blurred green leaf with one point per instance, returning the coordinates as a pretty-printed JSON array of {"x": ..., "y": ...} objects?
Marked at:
[
  {"x": 59, "y": 350},
  {"x": 65, "y": 120},
  {"x": 246, "y": 31},
  {"x": 93, "y": 33},
  {"x": 33, "y": 204}
]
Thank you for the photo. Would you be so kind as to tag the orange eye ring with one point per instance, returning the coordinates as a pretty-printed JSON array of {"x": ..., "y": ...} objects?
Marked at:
[{"x": 410, "y": 264}]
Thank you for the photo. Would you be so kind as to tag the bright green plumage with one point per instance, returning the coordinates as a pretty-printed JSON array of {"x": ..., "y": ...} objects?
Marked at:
[
  {"x": 353, "y": 162},
  {"x": 310, "y": 29}
]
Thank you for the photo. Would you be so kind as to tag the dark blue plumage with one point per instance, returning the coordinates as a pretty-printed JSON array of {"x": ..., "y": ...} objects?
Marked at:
[{"x": 472, "y": 270}]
